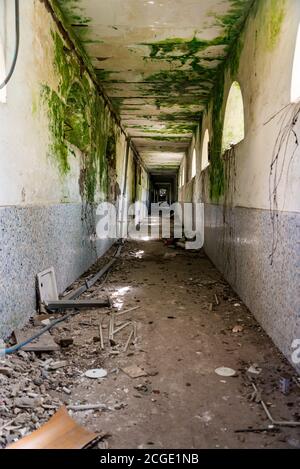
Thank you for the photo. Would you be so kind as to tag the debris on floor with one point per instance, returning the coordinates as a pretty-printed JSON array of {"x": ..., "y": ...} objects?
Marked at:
[
  {"x": 278, "y": 423},
  {"x": 254, "y": 369},
  {"x": 96, "y": 373},
  {"x": 170, "y": 255},
  {"x": 52, "y": 365},
  {"x": 134, "y": 371},
  {"x": 237, "y": 328},
  {"x": 44, "y": 343},
  {"x": 48, "y": 294},
  {"x": 61, "y": 432},
  {"x": 160, "y": 348},
  {"x": 285, "y": 385},
  {"x": 225, "y": 371}
]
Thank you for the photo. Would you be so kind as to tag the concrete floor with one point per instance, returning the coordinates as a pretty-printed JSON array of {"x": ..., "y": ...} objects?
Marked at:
[
  {"x": 183, "y": 403},
  {"x": 183, "y": 336}
]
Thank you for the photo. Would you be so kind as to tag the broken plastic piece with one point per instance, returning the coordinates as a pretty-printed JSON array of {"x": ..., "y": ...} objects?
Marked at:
[
  {"x": 224, "y": 371},
  {"x": 61, "y": 432},
  {"x": 96, "y": 373}
]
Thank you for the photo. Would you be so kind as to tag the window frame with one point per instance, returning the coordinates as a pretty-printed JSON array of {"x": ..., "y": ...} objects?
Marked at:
[
  {"x": 295, "y": 78},
  {"x": 194, "y": 164},
  {"x": 205, "y": 147},
  {"x": 229, "y": 107}
]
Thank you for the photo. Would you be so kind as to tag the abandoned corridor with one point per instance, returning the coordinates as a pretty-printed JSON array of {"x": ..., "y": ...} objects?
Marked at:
[
  {"x": 118, "y": 105},
  {"x": 183, "y": 336}
]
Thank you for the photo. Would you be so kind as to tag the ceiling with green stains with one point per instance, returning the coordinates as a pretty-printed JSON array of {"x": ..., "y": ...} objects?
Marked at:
[{"x": 157, "y": 61}]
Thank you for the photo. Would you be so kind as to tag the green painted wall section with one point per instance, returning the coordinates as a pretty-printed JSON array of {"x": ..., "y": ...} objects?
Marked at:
[
  {"x": 272, "y": 14},
  {"x": 78, "y": 118}
]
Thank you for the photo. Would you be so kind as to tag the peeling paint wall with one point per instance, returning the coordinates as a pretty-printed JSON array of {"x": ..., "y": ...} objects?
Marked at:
[
  {"x": 157, "y": 68},
  {"x": 252, "y": 192},
  {"x": 61, "y": 152}
]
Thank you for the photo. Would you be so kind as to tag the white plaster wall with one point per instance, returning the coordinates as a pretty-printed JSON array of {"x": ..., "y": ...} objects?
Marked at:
[
  {"x": 265, "y": 78},
  {"x": 27, "y": 174},
  {"x": 42, "y": 219},
  {"x": 258, "y": 255}
]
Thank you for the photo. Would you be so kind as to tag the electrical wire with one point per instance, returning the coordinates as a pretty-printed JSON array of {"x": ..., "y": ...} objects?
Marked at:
[{"x": 17, "y": 26}]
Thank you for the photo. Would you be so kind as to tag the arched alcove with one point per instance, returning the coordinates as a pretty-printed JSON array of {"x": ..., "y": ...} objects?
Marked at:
[
  {"x": 182, "y": 176},
  {"x": 194, "y": 163},
  {"x": 234, "y": 124},
  {"x": 205, "y": 151},
  {"x": 295, "y": 85}
]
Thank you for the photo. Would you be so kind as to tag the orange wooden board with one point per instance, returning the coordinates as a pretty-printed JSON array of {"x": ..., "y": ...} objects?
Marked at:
[{"x": 61, "y": 432}]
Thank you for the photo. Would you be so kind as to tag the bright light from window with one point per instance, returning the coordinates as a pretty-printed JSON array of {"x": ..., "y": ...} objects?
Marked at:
[
  {"x": 2, "y": 74},
  {"x": 182, "y": 181},
  {"x": 194, "y": 163},
  {"x": 295, "y": 88},
  {"x": 205, "y": 145},
  {"x": 234, "y": 126}
]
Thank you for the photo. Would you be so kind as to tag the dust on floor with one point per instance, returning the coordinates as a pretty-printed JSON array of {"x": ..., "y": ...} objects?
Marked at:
[{"x": 189, "y": 323}]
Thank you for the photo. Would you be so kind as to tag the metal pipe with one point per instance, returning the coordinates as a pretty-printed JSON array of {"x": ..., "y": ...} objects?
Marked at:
[
  {"x": 17, "y": 347},
  {"x": 89, "y": 283},
  {"x": 280, "y": 423}
]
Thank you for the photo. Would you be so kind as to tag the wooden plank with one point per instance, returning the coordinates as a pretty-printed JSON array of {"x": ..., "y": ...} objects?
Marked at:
[
  {"x": 44, "y": 343},
  {"x": 67, "y": 304},
  {"x": 60, "y": 432}
]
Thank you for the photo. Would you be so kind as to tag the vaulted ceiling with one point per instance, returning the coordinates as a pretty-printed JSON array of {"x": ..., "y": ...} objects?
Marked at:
[{"x": 157, "y": 61}]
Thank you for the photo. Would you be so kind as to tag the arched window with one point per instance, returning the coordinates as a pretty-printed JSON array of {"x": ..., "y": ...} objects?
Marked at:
[
  {"x": 234, "y": 125},
  {"x": 2, "y": 73},
  {"x": 295, "y": 87},
  {"x": 194, "y": 163},
  {"x": 205, "y": 152}
]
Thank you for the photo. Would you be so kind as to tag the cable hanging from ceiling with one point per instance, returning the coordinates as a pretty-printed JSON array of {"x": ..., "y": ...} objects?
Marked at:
[{"x": 17, "y": 44}]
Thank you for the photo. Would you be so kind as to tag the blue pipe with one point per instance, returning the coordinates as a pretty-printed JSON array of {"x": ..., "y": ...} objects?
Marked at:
[{"x": 17, "y": 347}]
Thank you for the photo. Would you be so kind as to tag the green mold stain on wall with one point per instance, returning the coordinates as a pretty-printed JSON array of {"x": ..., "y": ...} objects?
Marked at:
[
  {"x": 56, "y": 112},
  {"x": 216, "y": 169},
  {"x": 197, "y": 65},
  {"x": 184, "y": 49},
  {"x": 78, "y": 119},
  {"x": 272, "y": 13},
  {"x": 274, "y": 18},
  {"x": 74, "y": 16}
]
